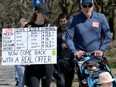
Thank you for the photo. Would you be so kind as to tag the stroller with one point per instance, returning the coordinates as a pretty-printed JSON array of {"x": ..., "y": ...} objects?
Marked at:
[{"x": 87, "y": 79}]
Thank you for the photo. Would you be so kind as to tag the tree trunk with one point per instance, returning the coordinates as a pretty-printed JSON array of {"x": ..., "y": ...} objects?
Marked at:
[{"x": 114, "y": 24}]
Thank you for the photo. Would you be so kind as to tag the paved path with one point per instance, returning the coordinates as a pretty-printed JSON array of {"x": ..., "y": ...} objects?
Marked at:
[{"x": 7, "y": 77}]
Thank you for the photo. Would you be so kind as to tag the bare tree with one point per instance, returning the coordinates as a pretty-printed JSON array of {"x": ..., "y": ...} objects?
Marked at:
[
  {"x": 12, "y": 10},
  {"x": 108, "y": 8}
]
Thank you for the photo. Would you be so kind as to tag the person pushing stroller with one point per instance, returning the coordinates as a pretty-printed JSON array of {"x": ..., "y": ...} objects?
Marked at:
[{"x": 88, "y": 31}]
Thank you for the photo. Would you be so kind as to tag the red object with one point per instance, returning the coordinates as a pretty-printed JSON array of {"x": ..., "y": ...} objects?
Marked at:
[{"x": 85, "y": 85}]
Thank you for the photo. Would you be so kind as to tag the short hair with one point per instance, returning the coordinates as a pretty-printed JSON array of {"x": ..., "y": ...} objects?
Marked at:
[{"x": 61, "y": 16}]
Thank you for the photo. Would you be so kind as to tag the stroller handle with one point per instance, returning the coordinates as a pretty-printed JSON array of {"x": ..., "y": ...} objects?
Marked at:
[{"x": 88, "y": 55}]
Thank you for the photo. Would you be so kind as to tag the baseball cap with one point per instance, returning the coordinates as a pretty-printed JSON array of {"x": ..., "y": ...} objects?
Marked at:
[
  {"x": 85, "y": 1},
  {"x": 42, "y": 7}
]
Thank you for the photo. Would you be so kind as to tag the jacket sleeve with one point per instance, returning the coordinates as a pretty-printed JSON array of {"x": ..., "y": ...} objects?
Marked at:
[
  {"x": 70, "y": 36},
  {"x": 105, "y": 33}
]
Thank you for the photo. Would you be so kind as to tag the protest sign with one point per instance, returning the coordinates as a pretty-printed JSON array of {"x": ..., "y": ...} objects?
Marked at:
[{"x": 22, "y": 46}]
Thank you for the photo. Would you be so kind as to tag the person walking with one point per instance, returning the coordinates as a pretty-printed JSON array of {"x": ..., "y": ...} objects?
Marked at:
[
  {"x": 88, "y": 32},
  {"x": 36, "y": 73},
  {"x": 19, "y": 69},
  {"x": 85, "y": 31},
  {"x": 64, "y": 66}
]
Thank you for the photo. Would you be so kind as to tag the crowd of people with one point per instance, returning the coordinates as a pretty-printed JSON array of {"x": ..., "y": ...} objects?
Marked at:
[{"x": 81, "y": 33}]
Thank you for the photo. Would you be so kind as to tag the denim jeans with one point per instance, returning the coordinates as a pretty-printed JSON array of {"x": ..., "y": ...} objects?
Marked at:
[
  {"x": 20, "y": 71},
  {"x": 16, "y": 75}
]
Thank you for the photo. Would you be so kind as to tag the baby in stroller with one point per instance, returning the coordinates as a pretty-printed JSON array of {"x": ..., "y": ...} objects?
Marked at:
[
  {"x": 87, "y": 68},
  {"x": 103, "y": 78},
  {"x": 89, "y": 71},
  {"x": 91, "y": 66}
]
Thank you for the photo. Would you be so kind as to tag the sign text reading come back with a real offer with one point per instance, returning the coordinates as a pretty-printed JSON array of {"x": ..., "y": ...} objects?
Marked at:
[{"x": 21, "y": 46}]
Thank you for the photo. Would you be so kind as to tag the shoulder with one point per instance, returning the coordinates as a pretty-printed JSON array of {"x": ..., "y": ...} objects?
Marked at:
[
  {"x": 75, "y": 19},
  {"x": 59, "y": 30},
  {"x": 97, "y": 14},
  {"x": 100, "y": 16}
]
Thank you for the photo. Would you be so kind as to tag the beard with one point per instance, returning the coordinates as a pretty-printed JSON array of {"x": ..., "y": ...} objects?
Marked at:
[{"x": 64, "y": 26}]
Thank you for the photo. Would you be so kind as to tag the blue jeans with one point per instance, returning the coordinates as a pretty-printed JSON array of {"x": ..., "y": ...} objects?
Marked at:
[
  {"x": 20, "y": 72},
  {"x": 16, "y": 75}
]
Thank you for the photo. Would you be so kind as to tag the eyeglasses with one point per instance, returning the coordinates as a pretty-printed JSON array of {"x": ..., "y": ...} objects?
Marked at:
[
  {"x": 45, "y": 13},
  {"x": 87, "y": 6}
]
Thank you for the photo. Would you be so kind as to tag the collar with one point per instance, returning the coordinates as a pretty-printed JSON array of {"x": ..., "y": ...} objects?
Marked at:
[{"x": 86, "y": 16}]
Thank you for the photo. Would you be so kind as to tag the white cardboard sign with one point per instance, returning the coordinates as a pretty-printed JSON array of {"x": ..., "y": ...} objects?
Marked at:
[{"x": 22, "y": 46}]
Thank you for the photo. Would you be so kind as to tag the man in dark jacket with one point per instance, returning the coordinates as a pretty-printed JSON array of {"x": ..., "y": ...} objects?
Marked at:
[{"x": 64, "y": 67}]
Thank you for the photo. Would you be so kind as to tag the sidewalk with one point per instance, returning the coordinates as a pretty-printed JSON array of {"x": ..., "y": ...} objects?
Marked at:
[{"x": 7, "y": 77}]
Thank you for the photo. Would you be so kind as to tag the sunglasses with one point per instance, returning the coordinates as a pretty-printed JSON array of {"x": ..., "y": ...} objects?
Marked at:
[
  {"x": 87, "y": 6},
  {"x": 45, "y": 13}
]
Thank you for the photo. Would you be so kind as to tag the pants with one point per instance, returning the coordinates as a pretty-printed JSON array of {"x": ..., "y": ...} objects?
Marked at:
[
  {"x": 20, "y": 72},
  {"x": 66, "y": 72},
  {"x": 35, "y": 73},
  {"x": 16, "y": 75}
]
